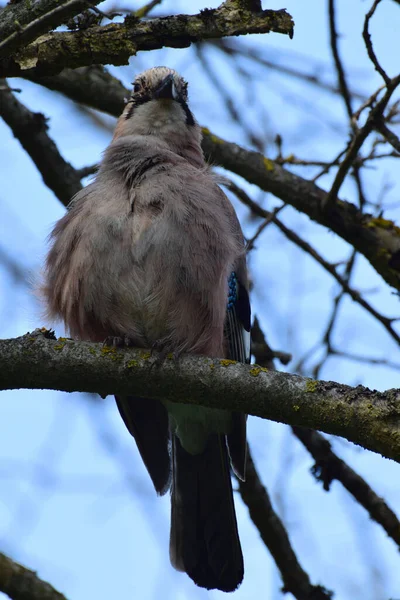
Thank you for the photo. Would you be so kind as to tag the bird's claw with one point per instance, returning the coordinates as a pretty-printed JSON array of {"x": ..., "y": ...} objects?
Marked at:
[{"x": 116, "y": 341}]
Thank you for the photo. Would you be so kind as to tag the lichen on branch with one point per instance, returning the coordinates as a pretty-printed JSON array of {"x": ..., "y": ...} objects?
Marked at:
[
  {"x": 363, "y": 416},
  {"x": 117, "y": 42}
]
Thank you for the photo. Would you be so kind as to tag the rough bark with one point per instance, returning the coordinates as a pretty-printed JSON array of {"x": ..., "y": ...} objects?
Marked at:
[
  {"x": 363, "y": 416},
  {"x": 117, "y": 42}
]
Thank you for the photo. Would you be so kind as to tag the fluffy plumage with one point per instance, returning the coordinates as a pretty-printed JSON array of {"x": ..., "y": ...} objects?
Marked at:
[{"x": 145, "y": 252}]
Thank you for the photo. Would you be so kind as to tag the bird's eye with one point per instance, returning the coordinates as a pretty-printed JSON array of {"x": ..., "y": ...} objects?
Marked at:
[{"x": 137, "y": 87}]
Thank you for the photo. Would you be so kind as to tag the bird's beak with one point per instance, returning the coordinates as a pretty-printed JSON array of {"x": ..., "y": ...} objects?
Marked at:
[{"x": 166, "y": 89}]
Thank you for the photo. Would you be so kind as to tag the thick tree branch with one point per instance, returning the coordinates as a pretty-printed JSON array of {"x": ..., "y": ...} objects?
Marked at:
[
  {"x": 363, "y": 416},
  {"x": 50, "y": 20},
  {"x": 275, "y": 537},
  {"x": 20, "y": 583},
  {"x": 117, "y": 42},
  {"x": 92, "y": 86},
  {"x": 15, "y": 16},
  {"x": 31, "y": 131}
]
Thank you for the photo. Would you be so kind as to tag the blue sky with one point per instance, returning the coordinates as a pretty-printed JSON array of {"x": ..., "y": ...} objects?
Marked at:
[{"x": 75, "y": 501}]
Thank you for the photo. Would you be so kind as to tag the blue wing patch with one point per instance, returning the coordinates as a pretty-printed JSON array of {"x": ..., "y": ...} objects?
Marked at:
[{"x": 238, "y": 320}]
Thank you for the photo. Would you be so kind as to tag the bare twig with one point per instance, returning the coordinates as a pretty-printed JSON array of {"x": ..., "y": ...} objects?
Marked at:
[
  {"x": 368, "y": 103},
  {"x": 368, "y": 43},
  {"x": 237, "y": 49},
  {"x": 140, "y": 13},
  {"x": 20, "y": 583},
  {"x": 264, "y": 224},
  {"x": 369, "y": 360},
  {"x": 275, "y": 537},
  {"x": 327, "y": 336},
  {"x": 358, "y": 140},
  {"x": 223, "y": 92},
  {"x": 86, "y": 171},
  {"x": 262, "y": 350},
  {"x": 388, "y": 134},
  {"x": 354, "y": 294},
  {"x": 328, "y": 467},
  {"x": 344, "y": 89}
]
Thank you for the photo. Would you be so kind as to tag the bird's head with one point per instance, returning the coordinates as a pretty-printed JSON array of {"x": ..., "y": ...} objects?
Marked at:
[{"x": 158, "y": 105}]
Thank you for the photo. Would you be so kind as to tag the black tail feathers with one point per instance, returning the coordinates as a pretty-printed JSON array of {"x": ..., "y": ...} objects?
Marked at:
[{"x": 204, "y": 537}]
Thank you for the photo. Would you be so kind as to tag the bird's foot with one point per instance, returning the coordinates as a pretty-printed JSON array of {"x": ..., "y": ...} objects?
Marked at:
[{"x": 116, "y": 341}]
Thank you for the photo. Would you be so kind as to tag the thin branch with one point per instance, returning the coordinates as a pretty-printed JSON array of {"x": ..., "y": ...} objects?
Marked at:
[
  {"x": 365, "y": 417},
  {"x": 368, "y": 43},
  {"x": 345, "y": 93},
  {"x": 237, "y": 116},
  {"x": 358, "y": 140},
  {"x": 263, "y": 352},
  {"x": 344, "y": 89},
  {"x": 86, "y": 171},
  {"x": 236, "y": 49},
  {"x": 264, "y": 224},
  {"x": 328, "y": 467},
  {"x": 18, "y": 272},
  {"x": 327, "y": 168},
  {"x": 31, "y": 131},
  {"x": 117, "y": 42},
  {"x": 20, "y": 583},
  {"x": 388, "y": 134},
  {"x": 368, "y": 360},
  {"x": 368, "y": 103},
  {"x": 275, "y": 537},
  {"x": 327, "y": 337},
  {"x": 354, "y": 294},
  {"x": 140, "y": 13}
]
